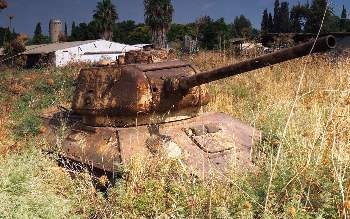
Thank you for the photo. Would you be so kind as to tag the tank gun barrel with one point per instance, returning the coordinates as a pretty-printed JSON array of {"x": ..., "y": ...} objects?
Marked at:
[{"x": 323, "y": 44}]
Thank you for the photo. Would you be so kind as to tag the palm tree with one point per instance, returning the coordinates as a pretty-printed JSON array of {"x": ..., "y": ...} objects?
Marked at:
[
  {"x": 105, "y": 17},
  {"x": 158, "y": 16}
]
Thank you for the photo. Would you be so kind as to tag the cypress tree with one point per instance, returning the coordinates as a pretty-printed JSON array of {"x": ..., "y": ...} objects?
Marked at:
[
  {"x": 38, "y": 37},
  {"x": 276, "y": 17},
  {"x": 284, "y": 18},
  {"x": 38, "y": 31},
  {"x": 73, "y": 34},
  {"x": 265, "y": 22},
  {"x": 65, "y": 29},
  {"x": 270, "y": 23},
  {"x": 342, "y": 24}
]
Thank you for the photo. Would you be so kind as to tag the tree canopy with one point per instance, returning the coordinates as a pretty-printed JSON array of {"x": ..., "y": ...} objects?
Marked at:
[
  {"x": 105, "y": 17},
  {"x": 38, "y": 37},
  {"x": 305, "y": 18},
  {"x": 158, "y": 16}
]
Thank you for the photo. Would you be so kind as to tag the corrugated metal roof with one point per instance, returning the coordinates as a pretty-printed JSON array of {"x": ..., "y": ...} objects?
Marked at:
[{"x": 52, "y": 47}]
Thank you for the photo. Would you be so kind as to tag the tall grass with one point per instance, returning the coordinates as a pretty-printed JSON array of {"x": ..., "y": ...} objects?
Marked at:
[{"x": 311, "y": 178}]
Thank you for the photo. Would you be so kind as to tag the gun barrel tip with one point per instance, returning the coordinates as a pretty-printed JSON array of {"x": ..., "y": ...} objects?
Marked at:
[{"x": 331, "y": 41}]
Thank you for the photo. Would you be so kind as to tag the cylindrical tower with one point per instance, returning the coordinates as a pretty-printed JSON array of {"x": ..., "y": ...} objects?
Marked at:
[{"x": 55, "y": 28}]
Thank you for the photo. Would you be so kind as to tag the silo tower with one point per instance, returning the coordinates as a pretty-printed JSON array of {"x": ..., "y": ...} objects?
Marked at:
[{"x": 55, "y": 28}]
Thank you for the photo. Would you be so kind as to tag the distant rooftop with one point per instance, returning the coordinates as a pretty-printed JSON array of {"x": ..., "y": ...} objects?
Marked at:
[{"x": 52, "y": 47}]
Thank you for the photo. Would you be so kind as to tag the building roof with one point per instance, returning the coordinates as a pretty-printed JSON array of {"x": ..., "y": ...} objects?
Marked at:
[{"x": 52, "y": 47}]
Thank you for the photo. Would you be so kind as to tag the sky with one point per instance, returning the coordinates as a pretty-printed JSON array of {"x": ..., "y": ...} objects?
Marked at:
[{"x": 29, "y": 12}]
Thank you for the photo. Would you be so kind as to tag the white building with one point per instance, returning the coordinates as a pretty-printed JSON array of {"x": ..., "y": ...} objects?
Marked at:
[{"x": 62, "y": 54}]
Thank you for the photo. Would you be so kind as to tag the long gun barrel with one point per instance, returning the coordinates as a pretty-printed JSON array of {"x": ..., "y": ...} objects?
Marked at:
[{"x": 323, "y": 44}]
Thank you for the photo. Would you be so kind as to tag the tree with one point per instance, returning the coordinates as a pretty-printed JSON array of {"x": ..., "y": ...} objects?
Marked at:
[
  {"x": 265, "y": 22},
  {"x": 315, "y": 16},
  {"x": 296, "y": 17},
  {"x": 242, "y": 27},
  {"x": 38, "y": 30},
  {"x": 206, "y": 33},
  {"x": 343, "y": 19},
  {"x": 65, "y": 30},
  {"x": 284, "y": 18},
  {"x": 38, "y": 37},
  {"x": 276, "y": 17},
  {"x": 74, "y": 33},
  {"x": 85, "y": 31},
  {"x": 158, "y": 16},
  {"x": 14, "y": 48},
  {"x": 270, "y": 23},
  {"x": 222, "y": 33},
  {"x": 6, "y": 36},
  {"x": 105, "y": 17},
  {"x": 141, "y": 34},
  {"x": 122, "y": 30}
]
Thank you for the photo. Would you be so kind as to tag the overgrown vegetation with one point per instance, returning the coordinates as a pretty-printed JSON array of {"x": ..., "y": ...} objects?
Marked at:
[{"x": 311, "y": 178}]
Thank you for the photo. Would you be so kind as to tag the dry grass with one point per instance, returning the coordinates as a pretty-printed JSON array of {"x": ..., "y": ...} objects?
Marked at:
[{"x": 311, "y": 177}]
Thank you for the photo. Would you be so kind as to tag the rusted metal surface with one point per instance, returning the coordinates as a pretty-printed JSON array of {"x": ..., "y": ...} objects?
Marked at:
[
  {"x": 146, "y": 57},
  {"x": 321, "y": 45},
  {"x": 223, "y": 143},
  {"x": 115, "y": 96}
]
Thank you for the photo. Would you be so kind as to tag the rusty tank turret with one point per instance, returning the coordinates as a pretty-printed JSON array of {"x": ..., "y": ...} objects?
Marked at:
[{"x": 123, "y": 111}]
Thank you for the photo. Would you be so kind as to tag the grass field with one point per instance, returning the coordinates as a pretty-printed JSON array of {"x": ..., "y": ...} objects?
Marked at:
[{"x": 303, "y": 165}]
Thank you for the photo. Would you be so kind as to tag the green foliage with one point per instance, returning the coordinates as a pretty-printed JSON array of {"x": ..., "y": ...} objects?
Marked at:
[
  {"x": 38, "y": 30},
  {"x": 84, "y": 32},
  {"x": 6, "y": 36},
  {"x": 40, "y": 96},
  {"x": 242, "y": 27},
  {"x": 315, "y": 16},
  {"x": 270, "y": 23},
  {"x": 344, "y": 23},
  {"x": 265, "y": 22},
  {"x": 158, "y": 16},
  {"x": 284, "y": 18},
  {"x": 305, "y": 18},
  {"x": 178, "y": 32},
  {"x": 297, "y": 15},
  {"x": 207, "y": 33},
  {"x": 38, "y": 37},
  {"x": 276, "y": 17},
  {"x": 140, "y": 34},
  {"x": 65, "y": 29},
  {"x": 29, "y": 190},
  {"x": 105, "y": 17}
]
